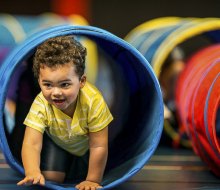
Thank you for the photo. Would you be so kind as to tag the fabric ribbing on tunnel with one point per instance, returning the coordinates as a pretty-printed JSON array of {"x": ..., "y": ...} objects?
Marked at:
[
  {"x": 198, "y": 104},
  {"x": 171, "y": 31},
  {"x": 157, "y": 38},
  {"x": 141, "y": 132},
  {"x": 16, "y": 28}
]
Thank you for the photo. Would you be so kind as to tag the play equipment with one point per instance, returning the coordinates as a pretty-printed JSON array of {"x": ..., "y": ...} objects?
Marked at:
[
  {"x": 198, "y": 100},
  {"x": 142, "y": 125},
  {"x": 16, "y": 28},
  {"x": 157, "y": 38}
]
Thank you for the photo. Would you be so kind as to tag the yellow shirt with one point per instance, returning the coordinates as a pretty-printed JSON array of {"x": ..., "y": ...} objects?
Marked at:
[{"x": 91, "y": 115}]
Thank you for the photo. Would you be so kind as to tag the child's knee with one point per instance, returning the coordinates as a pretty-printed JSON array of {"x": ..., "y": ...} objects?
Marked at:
[{"x": 54, "y": 176}]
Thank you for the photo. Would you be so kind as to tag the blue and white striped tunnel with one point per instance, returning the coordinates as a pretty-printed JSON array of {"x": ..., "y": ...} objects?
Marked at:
[
  {"x": 143, "y": 123},
  {"x": 14, "y": 29}
]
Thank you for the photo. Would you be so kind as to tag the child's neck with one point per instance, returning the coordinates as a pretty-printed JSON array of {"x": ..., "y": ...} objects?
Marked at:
[{"x": 70, "y": 111}]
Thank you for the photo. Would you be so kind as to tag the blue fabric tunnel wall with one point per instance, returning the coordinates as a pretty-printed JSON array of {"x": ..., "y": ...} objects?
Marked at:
[{"x": 142, "y": 125}]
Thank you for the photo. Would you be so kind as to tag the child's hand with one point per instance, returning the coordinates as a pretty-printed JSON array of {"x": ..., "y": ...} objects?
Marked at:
[
  {"x": 88, "y": 185},
  {"x": 31, "y": 179}
]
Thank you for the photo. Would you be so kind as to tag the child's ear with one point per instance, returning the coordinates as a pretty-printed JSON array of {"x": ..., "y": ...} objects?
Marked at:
[{"x": 82, "y": 81}]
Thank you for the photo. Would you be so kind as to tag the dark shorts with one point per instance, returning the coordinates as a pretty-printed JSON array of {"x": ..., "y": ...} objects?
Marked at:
[{"x": 54, "y": 158}]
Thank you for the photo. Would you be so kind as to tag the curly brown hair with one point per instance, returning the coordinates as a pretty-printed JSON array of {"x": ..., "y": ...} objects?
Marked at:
[{"x": 58, "y": 51}]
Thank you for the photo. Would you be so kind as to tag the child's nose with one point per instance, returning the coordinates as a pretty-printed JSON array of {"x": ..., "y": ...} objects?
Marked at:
[{"x": 57, "y": 91}]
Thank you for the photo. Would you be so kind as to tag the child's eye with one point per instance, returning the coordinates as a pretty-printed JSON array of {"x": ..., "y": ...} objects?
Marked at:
[
  {"x": 65, "y": 85},
  {"x": 48, "y": 85}
]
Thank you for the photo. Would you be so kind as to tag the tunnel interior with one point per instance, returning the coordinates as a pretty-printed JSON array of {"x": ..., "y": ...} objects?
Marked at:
[{"x": 130, "y": 88}]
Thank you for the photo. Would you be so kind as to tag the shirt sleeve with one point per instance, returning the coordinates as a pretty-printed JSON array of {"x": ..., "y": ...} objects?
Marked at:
[
  {"x": 37, "y": 117},
  {"x": 99, "y": 115}
]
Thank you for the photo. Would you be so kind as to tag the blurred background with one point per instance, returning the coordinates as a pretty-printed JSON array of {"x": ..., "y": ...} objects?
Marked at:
[{"x": 116, "y": 16}]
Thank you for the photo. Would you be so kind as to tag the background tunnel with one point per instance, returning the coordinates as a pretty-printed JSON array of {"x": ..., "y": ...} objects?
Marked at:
[
  {"x": 170, "y": 43},
  {"x": 15, "y": 29},
  {"x": 135, "y": 101},
  {"x": 198, "y": 97}
]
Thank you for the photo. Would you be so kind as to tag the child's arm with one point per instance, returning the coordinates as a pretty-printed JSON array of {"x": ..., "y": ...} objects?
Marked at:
[
  {"x": 31, "y": 149},
  {"x": 97, "y": 161}
]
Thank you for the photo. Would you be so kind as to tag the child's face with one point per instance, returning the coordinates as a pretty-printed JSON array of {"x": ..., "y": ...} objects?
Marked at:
[{"x": 60, "y": 86}]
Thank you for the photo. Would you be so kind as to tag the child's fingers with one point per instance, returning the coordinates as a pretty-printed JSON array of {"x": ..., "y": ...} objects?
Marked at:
[
  {"x": 36, "y": 180},
  {"x": 26, "y": 181},
  {"x": 89, "y": 187},
  {"x": 42, "y": 181},
  {"x": 20, "y": 182},
  {"x": 39, "y": 180},
  {"x": 77, "y": 186}
]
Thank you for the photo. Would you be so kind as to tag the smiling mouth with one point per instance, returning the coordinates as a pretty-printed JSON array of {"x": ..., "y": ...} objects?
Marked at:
[{"x": 58, "y": 101}]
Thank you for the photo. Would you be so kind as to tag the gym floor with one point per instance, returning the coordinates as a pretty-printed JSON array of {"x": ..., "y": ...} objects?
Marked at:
[{"x": 167, "y": 169}]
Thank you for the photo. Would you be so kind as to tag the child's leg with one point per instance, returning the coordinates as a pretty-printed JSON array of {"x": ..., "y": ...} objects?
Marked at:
[
  {"x": 54, "y": 176},
  {"x": 54, "y": 161}
]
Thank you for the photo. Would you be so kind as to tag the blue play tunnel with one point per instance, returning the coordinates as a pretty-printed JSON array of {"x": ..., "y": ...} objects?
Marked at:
[{"x": 137, "y": 136}]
